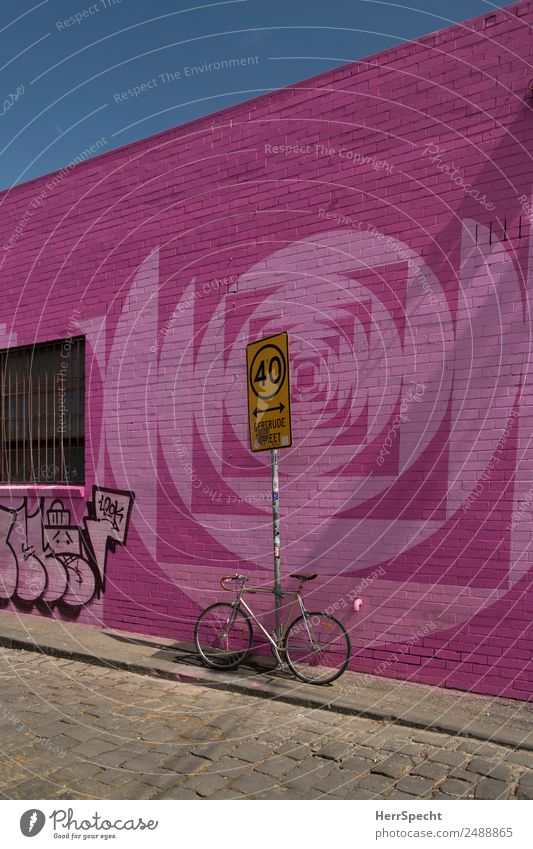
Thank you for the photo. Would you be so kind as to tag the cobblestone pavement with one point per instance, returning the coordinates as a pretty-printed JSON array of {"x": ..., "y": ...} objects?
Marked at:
[{"x": 69, "y": 730}]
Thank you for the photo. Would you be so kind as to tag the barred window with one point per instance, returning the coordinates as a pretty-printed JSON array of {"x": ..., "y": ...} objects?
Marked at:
[{"x": 42, "y": 397}]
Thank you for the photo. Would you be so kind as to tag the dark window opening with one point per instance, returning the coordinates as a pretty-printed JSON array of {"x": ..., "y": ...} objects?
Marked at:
[{"x": 42, "y": 398}]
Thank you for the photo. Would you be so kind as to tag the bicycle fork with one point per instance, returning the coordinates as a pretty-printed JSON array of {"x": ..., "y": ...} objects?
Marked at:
[
  {"x": 223, "y": 635},
  {"x": 314, "y": 645}
]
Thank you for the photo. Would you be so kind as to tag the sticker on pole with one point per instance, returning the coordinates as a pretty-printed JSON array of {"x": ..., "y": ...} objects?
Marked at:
[{"x": 269, "y": 399}]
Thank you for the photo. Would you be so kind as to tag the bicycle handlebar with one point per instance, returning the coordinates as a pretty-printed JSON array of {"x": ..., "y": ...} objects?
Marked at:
[{"x": 238, "y": 578}]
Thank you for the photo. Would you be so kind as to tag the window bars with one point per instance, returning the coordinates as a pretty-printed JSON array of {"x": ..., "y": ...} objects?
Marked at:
[{"x": 42, "y": 396}]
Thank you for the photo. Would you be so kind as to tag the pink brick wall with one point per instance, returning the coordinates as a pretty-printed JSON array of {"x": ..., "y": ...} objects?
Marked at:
[{"x": 380, "y": 214}]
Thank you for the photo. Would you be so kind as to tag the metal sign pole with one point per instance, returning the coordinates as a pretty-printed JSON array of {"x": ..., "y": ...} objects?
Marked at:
[
  {"x": 275, "y": 526},
  {"x": 269, "y": 424}
]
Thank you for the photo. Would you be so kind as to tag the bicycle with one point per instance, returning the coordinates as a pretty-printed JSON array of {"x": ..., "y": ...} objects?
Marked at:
[{"x": 315, "y": 645}]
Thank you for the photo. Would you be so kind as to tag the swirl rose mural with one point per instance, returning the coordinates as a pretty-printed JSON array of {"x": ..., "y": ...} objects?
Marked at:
[
  {"x": 389, "y": 467},
  {"x": 366, "y": 354}
]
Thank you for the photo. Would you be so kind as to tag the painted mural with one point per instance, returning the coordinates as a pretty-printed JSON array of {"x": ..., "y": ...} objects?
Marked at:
[
  {"x": 46, "y": 556},
  {"x": 386, "y": 453}
]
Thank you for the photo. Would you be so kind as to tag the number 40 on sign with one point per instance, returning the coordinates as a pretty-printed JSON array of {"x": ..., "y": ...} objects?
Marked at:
[{"x": 269, "y": 400}]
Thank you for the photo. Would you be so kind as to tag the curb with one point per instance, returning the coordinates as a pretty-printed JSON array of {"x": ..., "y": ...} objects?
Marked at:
[{"x": 307, "y": 696}]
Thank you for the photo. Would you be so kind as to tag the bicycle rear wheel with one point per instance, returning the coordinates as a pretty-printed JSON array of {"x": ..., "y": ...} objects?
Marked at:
[
  {"x": 223, "y": 636},
  {"x": 317, "y": 648}
]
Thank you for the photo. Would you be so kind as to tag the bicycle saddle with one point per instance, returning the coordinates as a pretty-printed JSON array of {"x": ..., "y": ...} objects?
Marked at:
[{"x": 304, "y": 576}]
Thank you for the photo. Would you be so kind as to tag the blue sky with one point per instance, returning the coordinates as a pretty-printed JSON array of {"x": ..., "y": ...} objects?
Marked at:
[{"x": 66, "y": 65}]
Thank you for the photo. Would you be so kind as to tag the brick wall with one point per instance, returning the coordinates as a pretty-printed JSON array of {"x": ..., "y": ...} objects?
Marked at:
[{"x": 380, "y": 213}]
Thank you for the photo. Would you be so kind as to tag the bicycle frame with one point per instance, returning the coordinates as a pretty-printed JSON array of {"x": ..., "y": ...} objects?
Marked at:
[{"x": 297, "y": 597}]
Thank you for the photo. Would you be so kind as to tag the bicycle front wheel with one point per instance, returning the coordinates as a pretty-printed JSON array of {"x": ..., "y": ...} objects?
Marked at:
[
  {"x": 317, "y": 648},
  {"x": 223, "y": 636}
]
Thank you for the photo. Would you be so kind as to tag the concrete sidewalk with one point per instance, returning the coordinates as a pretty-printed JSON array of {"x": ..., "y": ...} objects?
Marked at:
[{"x": 503, "y": 721}]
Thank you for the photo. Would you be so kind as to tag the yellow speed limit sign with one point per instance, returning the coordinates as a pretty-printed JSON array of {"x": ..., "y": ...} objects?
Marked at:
[{"x": 269, "y": 399}]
